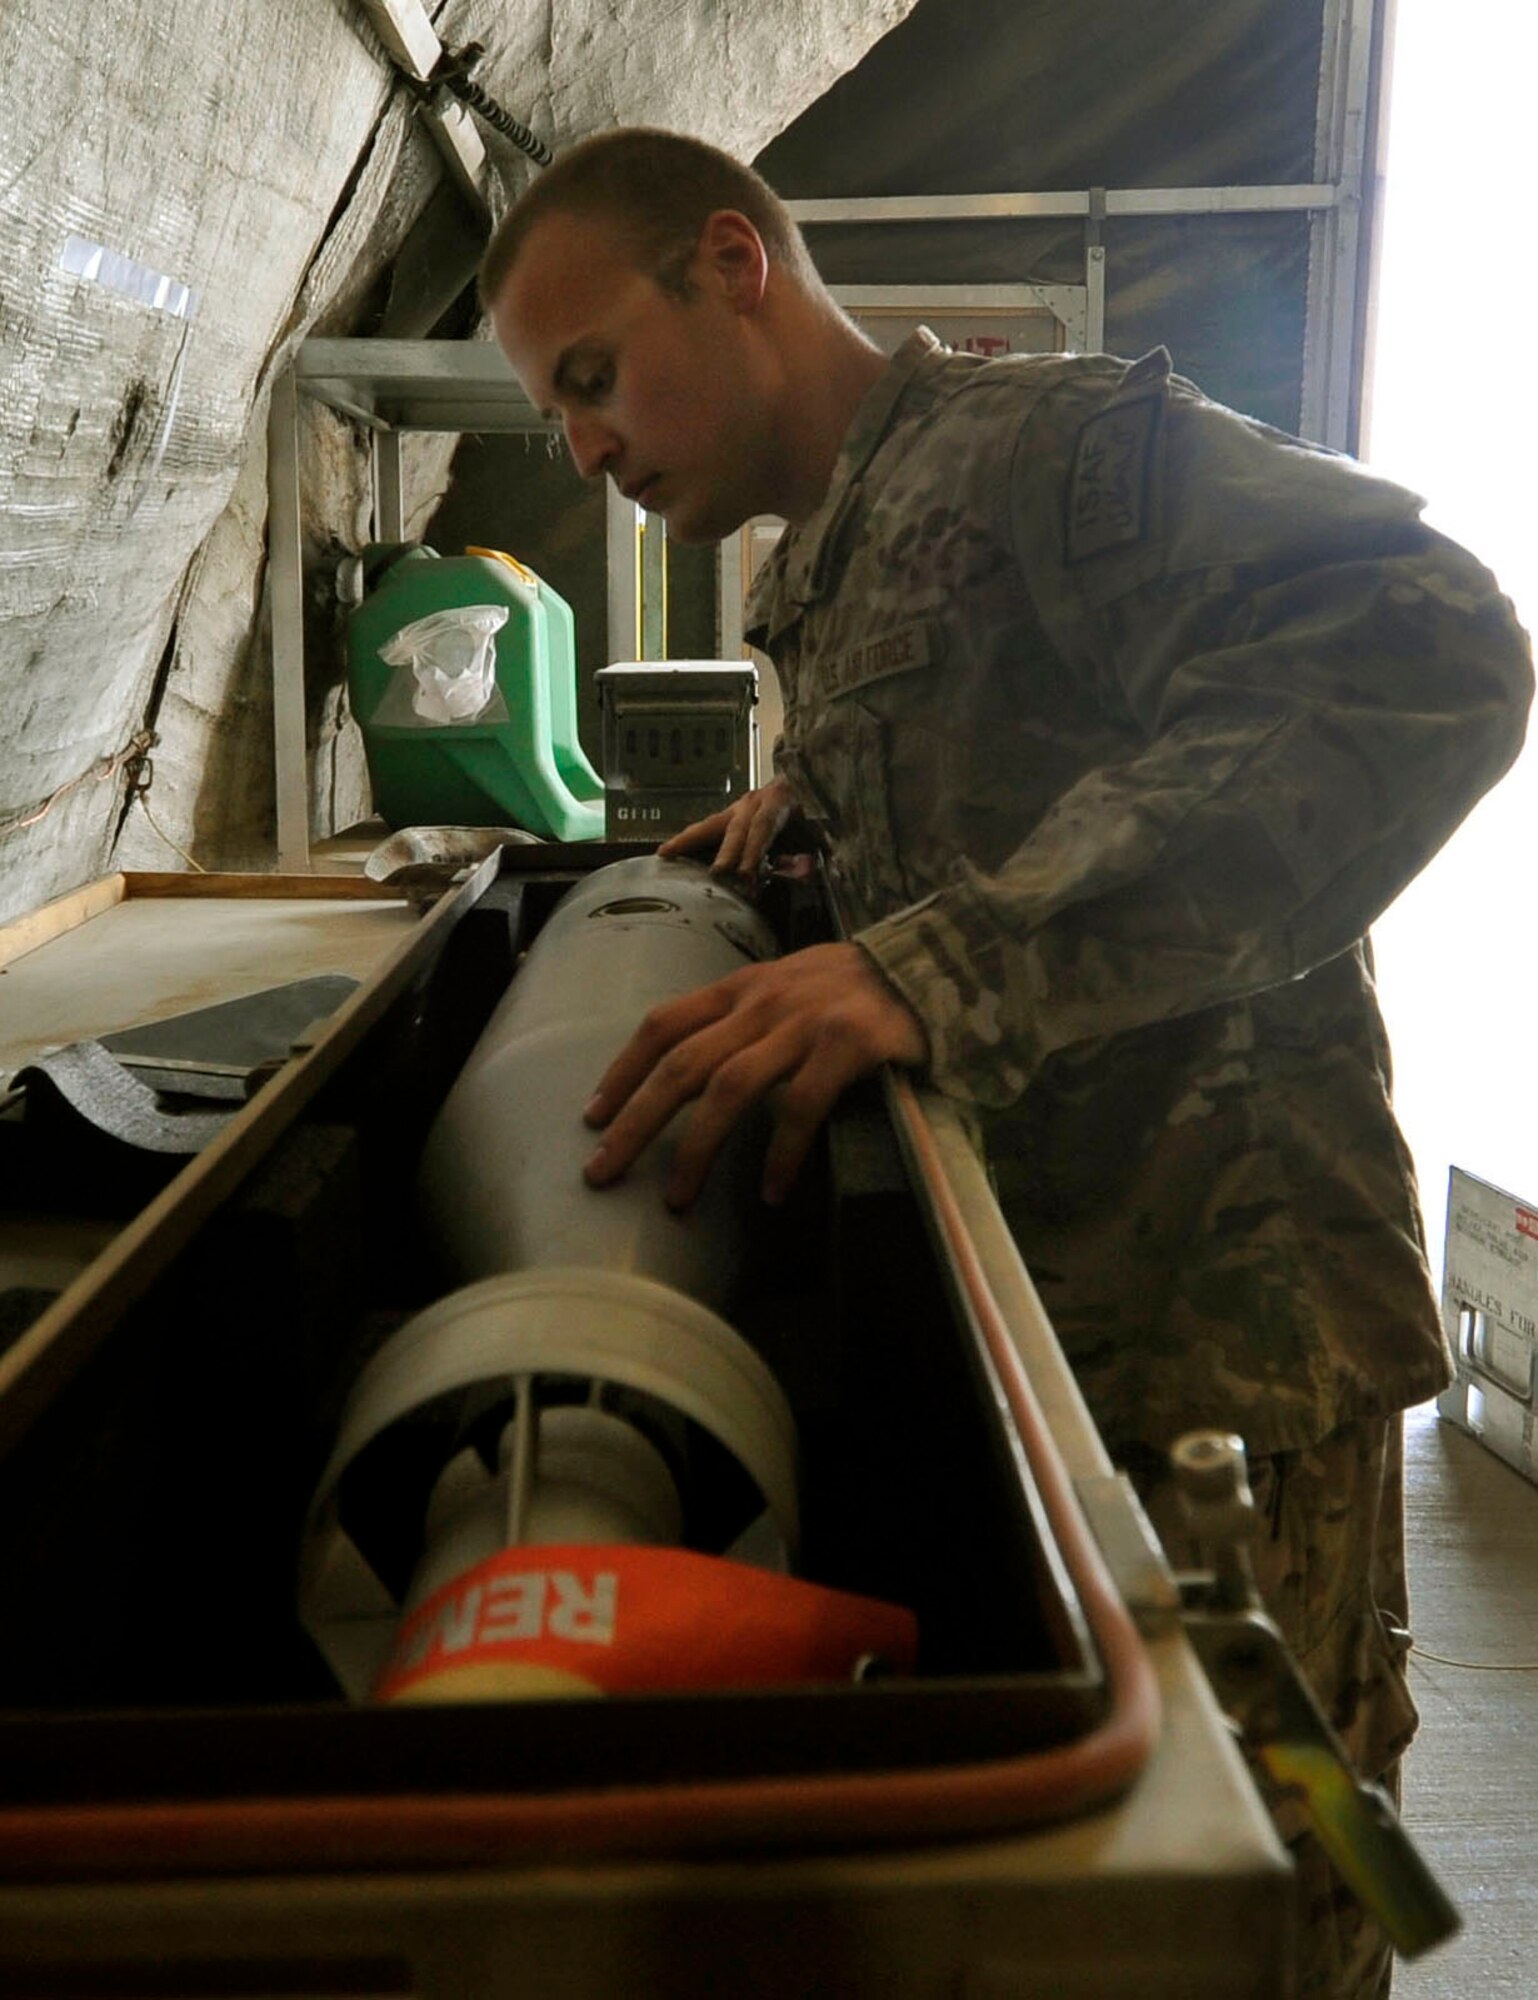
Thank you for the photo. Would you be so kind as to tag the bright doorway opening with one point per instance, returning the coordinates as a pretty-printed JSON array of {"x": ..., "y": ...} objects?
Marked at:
[{"x": 1454, "y": 415}]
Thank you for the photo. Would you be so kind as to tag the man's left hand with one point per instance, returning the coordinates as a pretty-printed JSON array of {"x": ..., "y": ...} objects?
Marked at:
[{"x": 804, "y": 1026}]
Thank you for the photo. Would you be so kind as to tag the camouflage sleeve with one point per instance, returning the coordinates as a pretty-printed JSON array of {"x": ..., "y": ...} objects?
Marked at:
[{"x": 1315, "y": 689}]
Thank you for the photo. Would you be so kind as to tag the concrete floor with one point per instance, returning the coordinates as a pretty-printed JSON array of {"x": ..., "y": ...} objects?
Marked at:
[{"x": 1471, "y": 1781}]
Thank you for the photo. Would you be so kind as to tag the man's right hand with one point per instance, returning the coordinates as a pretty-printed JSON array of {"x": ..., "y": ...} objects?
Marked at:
[{"x": 745, "y": 831}]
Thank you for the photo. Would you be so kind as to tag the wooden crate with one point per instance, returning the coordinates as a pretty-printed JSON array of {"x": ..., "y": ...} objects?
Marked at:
[{"x": 132, "y": 948}]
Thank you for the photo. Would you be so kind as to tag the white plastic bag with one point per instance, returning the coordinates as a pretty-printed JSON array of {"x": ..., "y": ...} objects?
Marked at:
[{"x": 453, "y": 660}]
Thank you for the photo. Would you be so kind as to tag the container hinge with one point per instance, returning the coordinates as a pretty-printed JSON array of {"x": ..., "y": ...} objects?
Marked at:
[{"x": 1132, "y": 1551}]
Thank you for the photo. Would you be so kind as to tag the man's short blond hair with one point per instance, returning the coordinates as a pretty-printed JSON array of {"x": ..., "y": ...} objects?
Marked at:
[{"x": 658, "y": 188}]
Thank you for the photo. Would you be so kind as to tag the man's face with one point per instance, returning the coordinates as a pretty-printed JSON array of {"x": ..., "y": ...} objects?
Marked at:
[{"x": 653, "y": 390}]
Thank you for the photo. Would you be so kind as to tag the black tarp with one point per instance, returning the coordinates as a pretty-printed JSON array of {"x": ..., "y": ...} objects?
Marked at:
[{"x": 1029, "y": 96}]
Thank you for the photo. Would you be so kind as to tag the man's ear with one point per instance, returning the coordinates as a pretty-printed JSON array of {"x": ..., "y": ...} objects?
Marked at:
[{"x": 732, "y": 249}]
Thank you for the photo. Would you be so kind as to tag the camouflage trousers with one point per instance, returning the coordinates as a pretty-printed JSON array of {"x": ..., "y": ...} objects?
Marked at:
[{"x": 1329, "y": 1562}]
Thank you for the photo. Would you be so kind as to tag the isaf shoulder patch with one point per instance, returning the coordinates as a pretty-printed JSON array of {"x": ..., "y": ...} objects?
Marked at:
[{"x": 1108, "y": 501}]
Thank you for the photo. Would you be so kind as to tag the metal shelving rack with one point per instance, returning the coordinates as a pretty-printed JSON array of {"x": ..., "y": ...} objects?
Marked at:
[{"x": 390, "y": 387}]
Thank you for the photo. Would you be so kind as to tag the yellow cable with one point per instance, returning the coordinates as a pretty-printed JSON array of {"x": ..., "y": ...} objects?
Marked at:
[
  {"x": 196, "y": 866},
  {"x": 1477, "y": 1666}
]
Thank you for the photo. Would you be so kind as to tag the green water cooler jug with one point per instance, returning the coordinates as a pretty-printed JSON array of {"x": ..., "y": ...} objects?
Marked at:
[{"x": 462, "y": 675}]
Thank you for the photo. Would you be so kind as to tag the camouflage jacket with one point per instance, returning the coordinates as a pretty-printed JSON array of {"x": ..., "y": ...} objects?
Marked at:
[{"x": 1125, "y": 716}]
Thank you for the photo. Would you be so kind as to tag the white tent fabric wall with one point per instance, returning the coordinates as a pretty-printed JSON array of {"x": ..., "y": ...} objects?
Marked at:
[{"x": 264, "y": 158}]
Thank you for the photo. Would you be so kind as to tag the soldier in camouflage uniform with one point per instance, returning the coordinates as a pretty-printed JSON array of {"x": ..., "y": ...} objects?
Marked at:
[{"x": 1123, "y": 717}]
